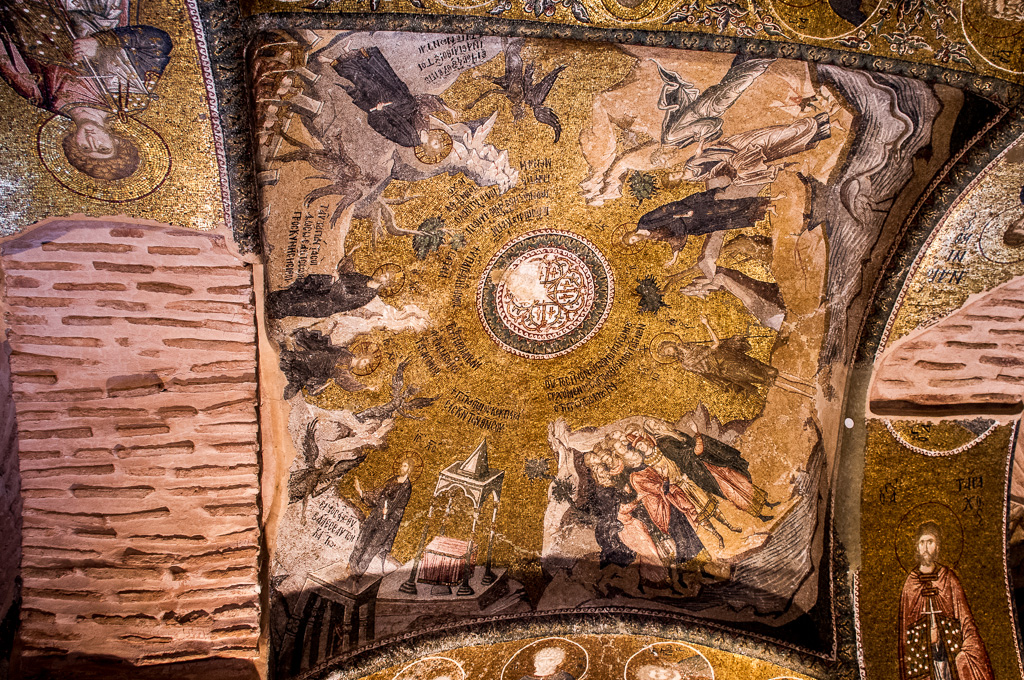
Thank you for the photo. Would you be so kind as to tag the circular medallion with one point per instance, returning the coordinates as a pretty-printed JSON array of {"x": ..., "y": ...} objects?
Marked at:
[
  {"x": 631, "y": 10},
  {"x": 154, "y": 161},
  {"x": 545, "y": 293}
]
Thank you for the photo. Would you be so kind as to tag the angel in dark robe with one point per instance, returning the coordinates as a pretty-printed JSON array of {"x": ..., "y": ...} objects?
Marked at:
[
  {"x": 518, "y": 86},
  {"x": 734, "y": 171},
  {"x": 314, "y": 361},
  {"x": 692, "y": 115},
  {"x": 313, "y": 479},
  {"x": 401, "y": 403},
  {"x": 391, "y": 109},
  {"x": 724, "y": 363},
  {"x": 696, "y": 215},
  {"x": 377, "y": 532},
  {"x": 323, "y": 295},
  {"x": 705, "y": 213},
  {"x": 718, "y": 469}
]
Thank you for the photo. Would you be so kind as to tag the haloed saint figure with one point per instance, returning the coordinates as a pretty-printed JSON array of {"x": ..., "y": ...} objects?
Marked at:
[
  {"x": 84, "y": 62},
  {"x": 547, "y": 664},
  {"x": 938, "y": 639}
]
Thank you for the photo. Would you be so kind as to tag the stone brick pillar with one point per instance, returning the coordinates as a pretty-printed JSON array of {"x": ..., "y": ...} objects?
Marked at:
[{"x": 134, "y": 378}]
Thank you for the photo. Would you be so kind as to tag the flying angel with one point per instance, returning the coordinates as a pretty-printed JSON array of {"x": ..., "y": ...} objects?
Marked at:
[
  {"x": 692, "y": 115},
  {"x": 313, "y": 479},
  {"x": 518, "y": 86},
  {"x": 401, "y": 400}
]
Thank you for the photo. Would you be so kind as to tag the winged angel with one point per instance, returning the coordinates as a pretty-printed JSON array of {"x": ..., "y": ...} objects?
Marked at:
[
  {"x": 366, "y": 129},
  {"x": 518, "y": 86},
  {"x": 320, "y": 471},
  {"x": 690, "y": 116}
]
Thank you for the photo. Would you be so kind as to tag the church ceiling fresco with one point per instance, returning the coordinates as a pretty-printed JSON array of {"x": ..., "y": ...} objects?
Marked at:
[
  {"x": 597, "y": 338},
  {"x": 570, "y": 276}
]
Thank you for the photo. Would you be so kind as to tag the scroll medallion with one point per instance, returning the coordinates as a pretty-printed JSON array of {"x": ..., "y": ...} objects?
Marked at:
[{"x": 545, "y": 293}]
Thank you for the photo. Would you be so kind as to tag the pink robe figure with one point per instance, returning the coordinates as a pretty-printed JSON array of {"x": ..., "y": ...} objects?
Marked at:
[{"x": 939, "y": 597}]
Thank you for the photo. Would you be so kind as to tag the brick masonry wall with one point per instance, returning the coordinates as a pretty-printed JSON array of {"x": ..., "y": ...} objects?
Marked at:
[
  {"x": 134, "y": 377},
  {"x": 970, "y": 362}
]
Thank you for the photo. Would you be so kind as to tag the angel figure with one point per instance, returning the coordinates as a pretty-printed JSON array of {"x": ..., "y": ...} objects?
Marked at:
[
  {"x": 518, "y": 86},
  {"x": 692, "y": 115},
  {"x": 401, "y": 400},
  {"x": 324, "y": 295},
  {"x": 314, "y": 361},
  {"x": 313, "y": 479}
]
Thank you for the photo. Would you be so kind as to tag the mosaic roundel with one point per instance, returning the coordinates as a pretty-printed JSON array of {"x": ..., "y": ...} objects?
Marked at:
[{"x": 545, "y": 293}]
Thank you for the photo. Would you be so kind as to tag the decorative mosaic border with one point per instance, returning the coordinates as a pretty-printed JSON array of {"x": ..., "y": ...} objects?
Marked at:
[
  {"x": 939, "y": 454},
  {"x": 224, "y": 46},
  {"x": 1014, "y": 614},
  {"x": 211, "y": 100},
  {"x": 1004, "y": 92}
]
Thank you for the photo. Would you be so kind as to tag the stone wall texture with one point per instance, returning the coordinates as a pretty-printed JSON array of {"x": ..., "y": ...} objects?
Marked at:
[
  {"x": 134, "y": 377},
  {"x": 969, "y": 362}
]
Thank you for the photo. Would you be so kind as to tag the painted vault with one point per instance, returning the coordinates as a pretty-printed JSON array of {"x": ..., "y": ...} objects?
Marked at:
[{"x": 556, "y": 339}]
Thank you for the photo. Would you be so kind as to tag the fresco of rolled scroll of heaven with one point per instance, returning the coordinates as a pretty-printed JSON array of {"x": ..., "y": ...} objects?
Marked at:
[{"x": 562, "y": 328}]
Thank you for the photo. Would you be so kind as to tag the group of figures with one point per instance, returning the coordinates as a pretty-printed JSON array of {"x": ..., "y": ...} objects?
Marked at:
[
  {"x": 680, "y": 511},
  {"x": 567, "y": 658},
  {"x": 652, "y": 492}
]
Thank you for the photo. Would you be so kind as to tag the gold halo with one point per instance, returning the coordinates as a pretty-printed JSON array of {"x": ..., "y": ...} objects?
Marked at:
[
  {"x": 951, "y": 546},
  {"x": 417, "y": 465},
  {"x": 395, "y": 275},
  {"x": 660, "y": 340},
  {"x": 365, "y": 348},
  {"x": 990, "y": 240},
  {"x": 520, "y": 664},
  {"x": 640, "y": 10},
  {"x": 430, "y": 158},
  {"x": 665, "y": 653},
  {"x": 154, "y": 161},
  {"x": 619, "y": 235},
  {"x": 431, "y": 667}
]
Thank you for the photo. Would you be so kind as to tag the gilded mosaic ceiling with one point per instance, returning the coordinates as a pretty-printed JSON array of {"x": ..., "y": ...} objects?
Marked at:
[{"x": 595, "y": 338}]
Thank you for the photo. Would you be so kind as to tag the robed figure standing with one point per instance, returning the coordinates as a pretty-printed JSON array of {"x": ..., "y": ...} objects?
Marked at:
[
  {"x": 377, "y": 532},
  {"x": 938, "y": 639}
]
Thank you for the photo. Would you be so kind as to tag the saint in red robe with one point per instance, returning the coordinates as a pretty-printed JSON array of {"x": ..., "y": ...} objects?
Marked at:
[{"x": 937, "y": 601}]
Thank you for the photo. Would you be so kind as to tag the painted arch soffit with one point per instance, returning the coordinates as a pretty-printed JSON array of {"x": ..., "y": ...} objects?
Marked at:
[
  {"x": 969, "y": 36},
  {"x": 549, "y": 334}
]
